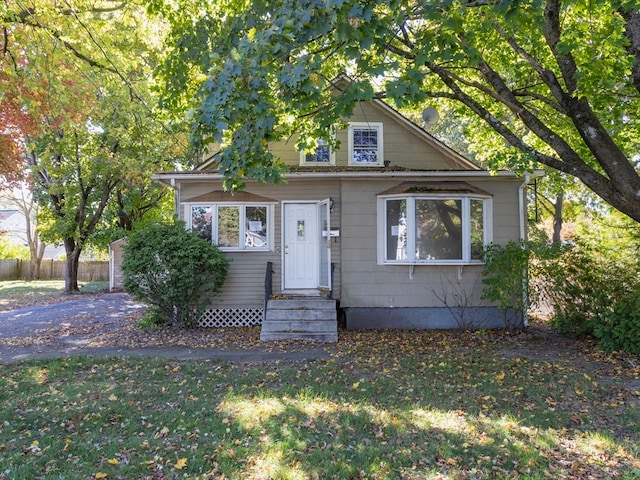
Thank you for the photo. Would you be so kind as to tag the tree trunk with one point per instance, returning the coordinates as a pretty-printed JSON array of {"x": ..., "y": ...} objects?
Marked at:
[
  {"x": 72, "y": 249},
  {"x": 557, "y": 219},
  {"x": 36, "y": 253}
]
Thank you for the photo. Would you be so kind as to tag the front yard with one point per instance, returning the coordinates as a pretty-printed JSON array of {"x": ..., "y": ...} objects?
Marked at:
[
  {"x": 386, "y": 405},
  {"x": 382, "y": 405}
]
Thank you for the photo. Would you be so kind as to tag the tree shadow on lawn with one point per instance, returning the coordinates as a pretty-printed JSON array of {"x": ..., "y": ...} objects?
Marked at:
[
  {"x": 387, "y": 406},
  {"x": 422, "y": 422}
]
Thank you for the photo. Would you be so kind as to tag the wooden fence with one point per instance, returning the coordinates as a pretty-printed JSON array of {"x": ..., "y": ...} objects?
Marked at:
[{"x": 50, "y": 269}]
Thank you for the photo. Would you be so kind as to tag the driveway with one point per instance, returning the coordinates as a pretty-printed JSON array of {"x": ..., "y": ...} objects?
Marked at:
[
  {"x": 101, "y": 325},
  {"x": 105, "y": 308}
]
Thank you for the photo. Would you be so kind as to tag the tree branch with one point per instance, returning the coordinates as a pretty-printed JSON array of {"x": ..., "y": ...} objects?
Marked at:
[
  {"x": 610, "y": 157},
  {"x": 632, "y": 32},
  {"x": 547, "y": 76},
  {"x": 552, "y": 32},
  {"x": 74, "y": 51}
]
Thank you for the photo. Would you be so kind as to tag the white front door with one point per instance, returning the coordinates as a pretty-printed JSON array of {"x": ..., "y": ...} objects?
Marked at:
[{"x": 301, "y": 246}]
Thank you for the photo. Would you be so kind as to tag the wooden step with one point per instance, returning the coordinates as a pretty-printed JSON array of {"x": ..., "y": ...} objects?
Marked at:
[
  {"x": 300, "y": 319},
  {"x": 301, "y": 304},
  {"x": 312, "y": 337},
  {"x": 315, "y": 326}
]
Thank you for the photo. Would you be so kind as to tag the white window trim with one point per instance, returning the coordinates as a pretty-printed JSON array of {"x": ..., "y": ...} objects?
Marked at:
[
  {"x": 214, "y": 223},
  {"x": 331, "y": 162},
  {"x": 371, "y": 126},
  {"x": 487, "y": 224}
]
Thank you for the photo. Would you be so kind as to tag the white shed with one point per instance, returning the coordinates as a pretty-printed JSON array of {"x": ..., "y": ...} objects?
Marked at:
[{"x": 116, "y": 280}]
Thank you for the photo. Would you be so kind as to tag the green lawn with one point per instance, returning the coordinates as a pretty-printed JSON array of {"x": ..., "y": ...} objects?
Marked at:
[
  {"x": 17, "y": 293},
  {"x": 389, "y": 405}
]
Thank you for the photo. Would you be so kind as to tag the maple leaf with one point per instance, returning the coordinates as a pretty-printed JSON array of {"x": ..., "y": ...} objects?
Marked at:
[
  {"x": 180, "y": 464},
  {"x": 100, "y": 475}
]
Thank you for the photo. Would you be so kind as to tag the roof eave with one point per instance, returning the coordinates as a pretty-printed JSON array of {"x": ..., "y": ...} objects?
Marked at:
[{"x": 170, "y": 178}]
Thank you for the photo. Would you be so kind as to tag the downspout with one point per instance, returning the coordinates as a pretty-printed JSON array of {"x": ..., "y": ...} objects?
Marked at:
[
  {"x": 176, "y": 198},
  {"x": 522, "y": 207}
]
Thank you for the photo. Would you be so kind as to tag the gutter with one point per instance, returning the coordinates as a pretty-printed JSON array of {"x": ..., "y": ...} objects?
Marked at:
[{"x": 171, "y": 177}]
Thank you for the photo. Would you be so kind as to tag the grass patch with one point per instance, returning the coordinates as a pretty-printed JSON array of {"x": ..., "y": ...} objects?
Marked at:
[
  {"x": 18, "y": 293},
  {"x": 446, "y": 411}
]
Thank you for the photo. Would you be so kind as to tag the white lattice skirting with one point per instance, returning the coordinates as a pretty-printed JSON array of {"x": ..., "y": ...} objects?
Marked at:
[{"x": 231, "y": 317}]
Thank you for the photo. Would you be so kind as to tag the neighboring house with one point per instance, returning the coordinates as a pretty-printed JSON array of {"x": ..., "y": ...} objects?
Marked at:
[
  {"x": 390, "y": 228},
  {"x": 13, "y": 228}
]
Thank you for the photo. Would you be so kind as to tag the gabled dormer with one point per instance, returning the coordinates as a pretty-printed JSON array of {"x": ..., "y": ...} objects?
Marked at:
[{"x": 375, "y": 137}]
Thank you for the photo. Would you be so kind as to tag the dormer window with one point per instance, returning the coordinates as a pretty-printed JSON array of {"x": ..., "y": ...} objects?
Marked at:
[
  {"x": 322, "y": 155},
  {"x": 365, "y": 144}
]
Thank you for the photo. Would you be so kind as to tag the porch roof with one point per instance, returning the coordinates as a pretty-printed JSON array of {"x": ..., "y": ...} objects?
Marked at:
[{"x": 435, "y": 187}]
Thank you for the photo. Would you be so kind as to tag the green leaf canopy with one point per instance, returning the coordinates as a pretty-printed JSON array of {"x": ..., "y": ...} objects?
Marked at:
[{"x": 553, "y": 83}]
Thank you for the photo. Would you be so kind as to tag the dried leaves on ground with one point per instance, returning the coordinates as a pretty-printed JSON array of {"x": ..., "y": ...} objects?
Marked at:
[{"x": 385, "y": 404}]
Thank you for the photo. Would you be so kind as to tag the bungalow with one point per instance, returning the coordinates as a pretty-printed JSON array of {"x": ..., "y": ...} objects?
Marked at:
[{"x": 385, "y": 232}]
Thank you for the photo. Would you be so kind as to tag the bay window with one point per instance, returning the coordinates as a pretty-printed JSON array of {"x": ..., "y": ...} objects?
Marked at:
[
  {"x": 231, "y": 226},
  {"x": 433, "y": 228}
]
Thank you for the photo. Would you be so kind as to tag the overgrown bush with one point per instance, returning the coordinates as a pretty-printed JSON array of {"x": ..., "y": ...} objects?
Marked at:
[
  {"x": 170, "y": 268},
  {"x": 620, "y": 329},
  {"x": 593, "y": 289},
  {"x": 592, "y": 284},
  {"x": 504, "y": 276},
  {"x": 578, "y": 288}
]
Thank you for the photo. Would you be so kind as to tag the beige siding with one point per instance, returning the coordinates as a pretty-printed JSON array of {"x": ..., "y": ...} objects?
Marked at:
[
  {"x": 244, "y": 286},
  {"x": 358, "y": 280},
  {"x": 402, "y": 146},
  {"x": 367, "y": 284}
]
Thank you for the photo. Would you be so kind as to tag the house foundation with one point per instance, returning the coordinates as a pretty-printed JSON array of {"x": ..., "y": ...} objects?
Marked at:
[{"x": 425, "y": 318}]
